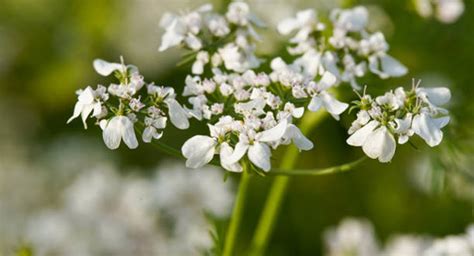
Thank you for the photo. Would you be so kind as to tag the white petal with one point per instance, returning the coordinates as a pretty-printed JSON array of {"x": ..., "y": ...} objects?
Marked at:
[
  {"x": 148, "y": 134},
  {"x": 402, "y": 139},
  {"x": 278, "y": 64},
  {"x": 112, "y": 133},
  {"x": 427, "y": 128},
  {"x": 193, "y": 42},
  {"x": 198, "y": 150},
  {"x": 259, "y": 154},
  {"x": 225, "y": 154},
  {"x": 327, "y": 80},
  {"x": 177, "y": 114},
  {"x": 198, "y": 67},
  {"x": 103, "y": 124},
  {"x": 275, "y": 133},
  {"x": 360, "y": 136},
  {"x": 170, "y": 39},
  {"x": 86, "y": 96},
  {"x": 204, "y": 8},
  {"x": 128, "y": 132},
  {"x": 77, "y": 111},
  {"x": 392, "y": 67},
  {"x": 332, "y": 105},
  {"x": 315, "y": 104},
  {"x": 298, "y": 112},
  {"x": 86, "y": 111},
  {"x": 388, "y": 150},
  {"x": 442, "y": 121},
  {"x": 239, "y": 152},
  {"x": 105, "y": 68},
  {"x": 97, "y": 109},
  {"x": 403, "y": 124},
  {"x": 381, "y": 145},
  {"x": 295, "y": 134},
  {"x": 374, "y": 67},
  {"x": 167, "y": 20},
  {"x": 286, "y": 26},
  {"x": 437, "y": 96},
  {"x": 329, "y": 61}
]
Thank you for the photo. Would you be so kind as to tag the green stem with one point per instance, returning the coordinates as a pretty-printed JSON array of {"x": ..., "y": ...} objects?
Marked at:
[
  {"x": 318, "y": 172},
  {"x": 236, "y": 214},
  {"x": 278, "y": 189}
]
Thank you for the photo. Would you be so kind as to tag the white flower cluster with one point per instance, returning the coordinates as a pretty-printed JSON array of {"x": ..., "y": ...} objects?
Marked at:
[
  {"x": 247, "y": 115},
  {"x": 400, "y": 114},
  {"x": 343, "y": 47},
  {"x": 121, "y": 108},
  {"x": 248, "y": 111},
  {"x": 215, "y": 40},
  {"x": 356, "y": 237},
  {"x": 446, "y": 11}
]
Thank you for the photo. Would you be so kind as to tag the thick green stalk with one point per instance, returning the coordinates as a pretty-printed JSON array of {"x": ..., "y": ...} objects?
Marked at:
[
  {"x": 278, "y": 189},
  {"x": 237, "y": 213}
]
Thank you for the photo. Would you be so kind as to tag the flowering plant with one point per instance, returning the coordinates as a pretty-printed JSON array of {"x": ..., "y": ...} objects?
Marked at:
[{"x": 252, "y": 105}]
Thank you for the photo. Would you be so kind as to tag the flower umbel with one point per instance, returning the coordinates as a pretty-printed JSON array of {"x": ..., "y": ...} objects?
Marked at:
[{"x": 399, "y": 114}]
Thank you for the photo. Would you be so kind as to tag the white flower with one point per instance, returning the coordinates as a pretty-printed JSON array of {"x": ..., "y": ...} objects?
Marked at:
[
  {"x": 450, "y": 246},
  {"x": 238, "y": 13},
  {"x": 406, "y": 245},
  {"x": 238, "y": 59},
  {"x": 184, "y": 28},
  {"x": 352, "y": 237},
  {"x": 331, "y": 104},
  {"x": 199, "y": 150},
  {"x": 202, "y": 58},
  {"x": 429, "y": 128},
  {"x": 381, "y": 145},
  {"x": 218, "y": 25},
  {"x": 226, "y": 152},
  {"x": 377, "y": 143},
  {"x": 323, "y": 99},
  {"x": 258, "y": 151},
  {"x": 306, "y": 22},
  {"x": 117, "y": 129},
  {"x": 294, "y": 134},
  {"x": 403, "y": 128},
  {"x": 448, "y": 11},
  {"x": 86, "y": 104},
  {"x": 353, "y": 20},
  {"x": 152, "y": 126},
  {"x": 106, "y": 68}
]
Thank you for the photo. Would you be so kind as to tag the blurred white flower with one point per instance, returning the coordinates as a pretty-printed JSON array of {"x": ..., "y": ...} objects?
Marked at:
[
  {"x": 352, "y": 237},
  {"x": 446, "y": 11},
  {"x": 406, "y": 245},
  {"x": 450, "y": 246}
]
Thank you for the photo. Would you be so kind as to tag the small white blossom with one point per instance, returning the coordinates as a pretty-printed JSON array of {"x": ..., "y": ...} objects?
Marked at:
[
  {"x": 87, "y": 103},
  {"x": 117, "y": 129}
]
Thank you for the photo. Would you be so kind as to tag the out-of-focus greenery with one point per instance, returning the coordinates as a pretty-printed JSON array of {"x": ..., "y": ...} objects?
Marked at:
[{"x": 46, "y": 50}]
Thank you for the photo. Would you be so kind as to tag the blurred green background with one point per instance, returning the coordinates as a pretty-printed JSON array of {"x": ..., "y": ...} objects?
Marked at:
[{"x": 46, "y": 52}]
